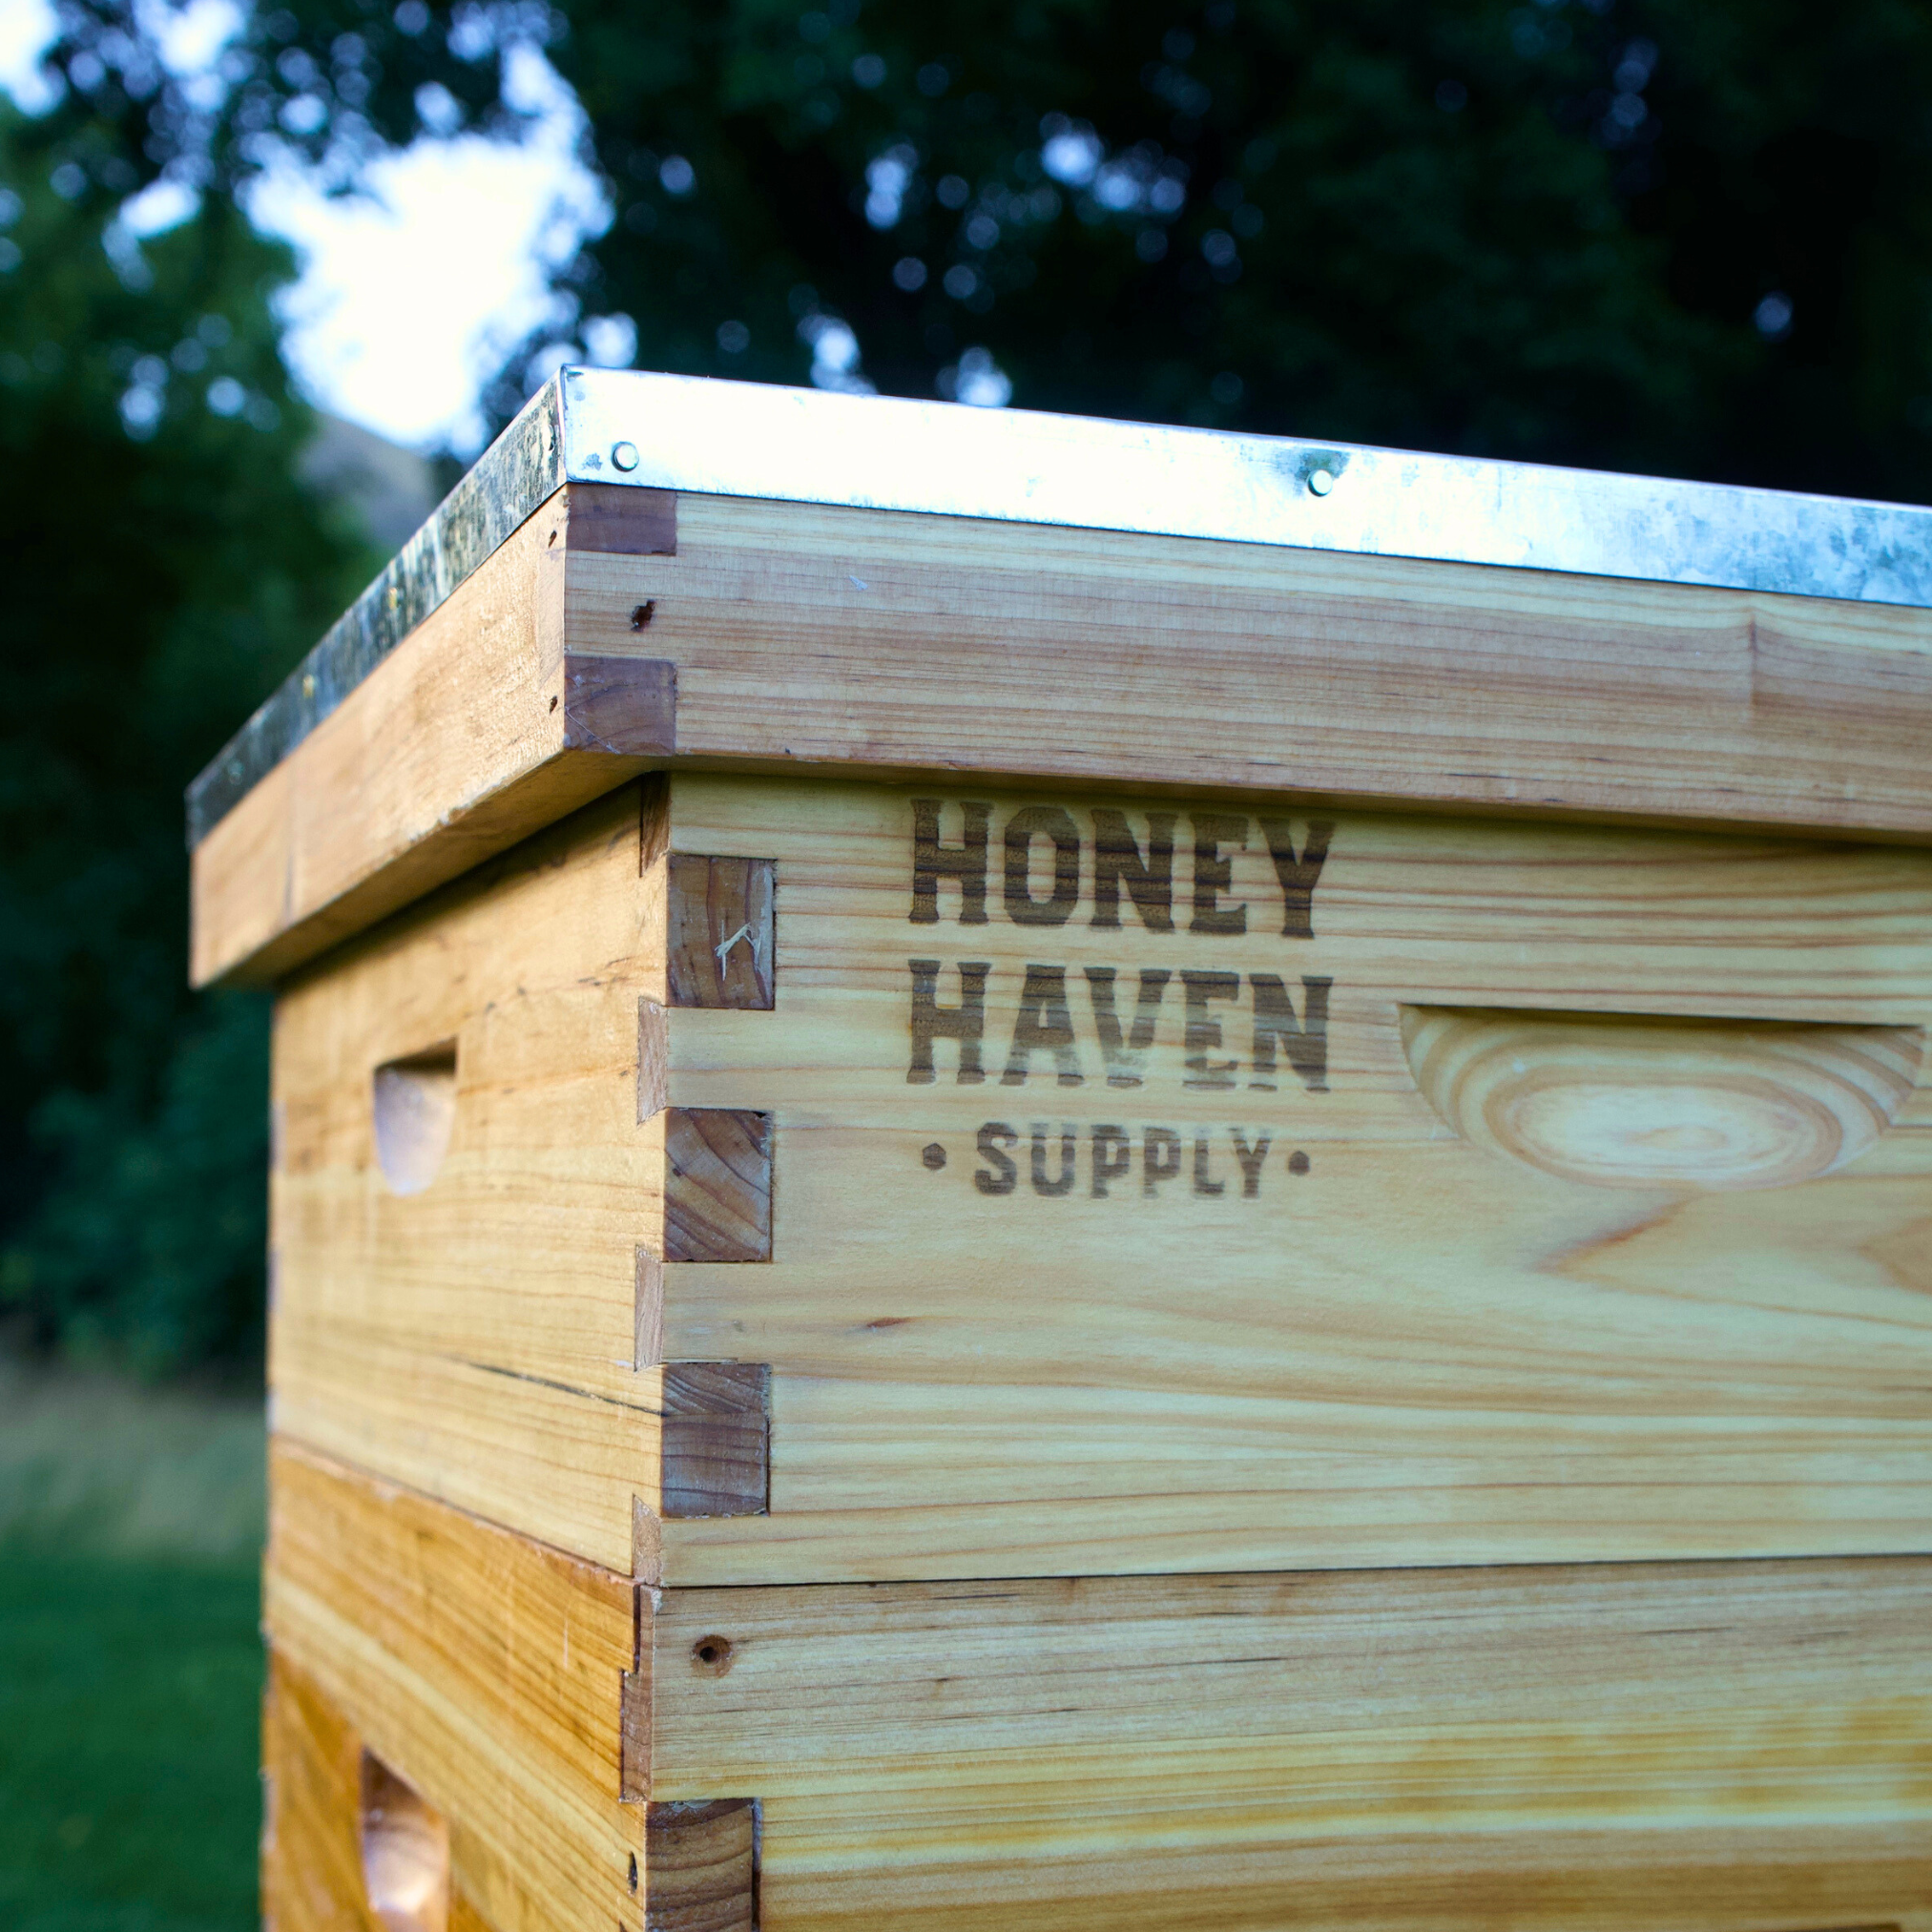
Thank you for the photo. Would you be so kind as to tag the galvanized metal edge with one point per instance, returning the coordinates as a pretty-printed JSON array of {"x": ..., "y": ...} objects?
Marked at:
[
  {"x": 506, "y": 485},
  {"x": 754, "y": 440},
  {"x": 742, "y": 439}
]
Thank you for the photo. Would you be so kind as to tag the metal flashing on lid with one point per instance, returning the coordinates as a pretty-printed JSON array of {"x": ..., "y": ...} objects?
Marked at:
[
  {"x": 519, "y": 471},
  {"x": 744, "y": 439},
  {"x": 754, "y": 440}
]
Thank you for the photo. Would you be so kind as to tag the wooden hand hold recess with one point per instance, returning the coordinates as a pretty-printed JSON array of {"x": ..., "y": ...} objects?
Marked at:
[{"x": 1623, "y": 1102}]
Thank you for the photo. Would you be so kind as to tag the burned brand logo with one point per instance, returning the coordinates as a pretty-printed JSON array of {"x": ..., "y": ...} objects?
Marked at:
[{"x": 1202, "y": 1024}]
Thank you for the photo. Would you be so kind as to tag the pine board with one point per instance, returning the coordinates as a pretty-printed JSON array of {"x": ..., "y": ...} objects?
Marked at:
[
  {"x": 482, "y": 1670},
  {"x": 1418, "y": 1350},
  {"x": 454, "y": 748},
  {"x": 872, "y": 642},
  {"x": 313, "y": 1876},
  {"x": 477, "y": 1339},
  {"x": 1717, "y": 1748}
]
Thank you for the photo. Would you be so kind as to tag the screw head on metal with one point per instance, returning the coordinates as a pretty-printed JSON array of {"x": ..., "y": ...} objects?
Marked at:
[
  {"x": 1321, "y": 481},
  {"x": 624, "y": 455}
]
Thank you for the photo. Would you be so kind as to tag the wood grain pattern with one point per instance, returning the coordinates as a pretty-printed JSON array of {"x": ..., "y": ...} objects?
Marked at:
[
  {"x": 477, "y": 1340},
  {"x": 721, "y": 945},
  {"x": 447, "y": 753},
  {"x": 717, "y": 1184},
  {"x": 1398, "y": 1349},
  {"x": 621, "y": 519},
  {"x": 702, "y": 1861},
  {"x": 1735, "y": 1746},
  {"x": 311, "y": 1769},
  {"x": 1695, "y": 1104},
  {"x": 1722, "y": 1747},
  {"x": 486, "y": 1671},
  {"x": 625, "y": 707},
  {"x": 313, "y": 1876},
  {"x": 714, "y": 1458},
  {"x": 869, "y": 643}
]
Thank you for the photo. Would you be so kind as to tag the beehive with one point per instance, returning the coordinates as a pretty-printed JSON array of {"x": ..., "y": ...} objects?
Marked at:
[{"x": 1078, "y": 1177}]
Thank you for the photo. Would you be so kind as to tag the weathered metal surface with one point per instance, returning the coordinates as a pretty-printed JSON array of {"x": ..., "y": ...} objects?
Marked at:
[
  {"x": 742, "y": 439},
  {"x": 517, "y": 472},
  {"x": 753, "y": 440}
]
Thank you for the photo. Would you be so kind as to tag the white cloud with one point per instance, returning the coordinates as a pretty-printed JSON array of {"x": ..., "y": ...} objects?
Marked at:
[
  {"x": 415, "y": 289},
  {"x": 26, "y": 29},
  {"x": 189, "y": 38},
  {"x": 160, "y": 206}
]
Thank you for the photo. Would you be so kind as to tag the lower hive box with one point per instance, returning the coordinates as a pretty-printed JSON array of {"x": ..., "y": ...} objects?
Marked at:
[{"x": 1725, "y": 1747}]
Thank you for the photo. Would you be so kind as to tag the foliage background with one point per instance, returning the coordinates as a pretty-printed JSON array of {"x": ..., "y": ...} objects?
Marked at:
[
  {"x": 163, "y": 563},
  {"x": 1693, "y": 239}
]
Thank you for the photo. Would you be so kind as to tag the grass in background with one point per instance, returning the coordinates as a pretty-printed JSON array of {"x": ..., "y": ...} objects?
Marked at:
[{"x": 130, "y": 1525}]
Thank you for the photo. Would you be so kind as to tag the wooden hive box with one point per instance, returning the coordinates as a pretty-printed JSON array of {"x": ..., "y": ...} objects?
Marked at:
[{"x": 1078, "y": 1177}]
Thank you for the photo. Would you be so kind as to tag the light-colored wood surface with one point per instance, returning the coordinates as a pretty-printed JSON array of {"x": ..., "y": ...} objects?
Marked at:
[
  {"x": 476, "y": 1340},
  {"x": 1699, "y": 1747},
  {"x": 439, "y": 730},
  {"x": 868, "y": 642},
  {"x": 1713, "y": 1748},
  {"x": 314, "y": 1871},
  {"x": 472, "y": 737},
  {"x": 1692, "y": 1104},
  {"x": 1415, "y": 1350},
  {"x": 1289, "y": 1318},
  {"x": 485, "y": 1670},
  {"x": 311, "y": 1774}
]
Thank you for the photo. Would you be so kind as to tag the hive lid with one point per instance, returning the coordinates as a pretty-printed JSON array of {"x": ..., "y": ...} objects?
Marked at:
[{"x": 753, "y": 440}]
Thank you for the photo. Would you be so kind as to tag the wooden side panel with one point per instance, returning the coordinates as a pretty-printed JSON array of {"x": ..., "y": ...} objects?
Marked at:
[
  {"x": 476, "y": 1339},
  {"x": 1715, "y": 1748},
  {"x": 1115, "y": 1233},
  {"x": 314, "y": 1878},
  {"x": 481, "y": 729},
  {"x": 476, "y": 1190},
  {"x": 311, "y": 1772},
  {"x": 1712, "y": 1748},
  {"x": 866, "y": 643},
  {"x": 486, "y": 1671},
  {"x": 377, "y": 805},
  {"x": 810, "y": 635}
]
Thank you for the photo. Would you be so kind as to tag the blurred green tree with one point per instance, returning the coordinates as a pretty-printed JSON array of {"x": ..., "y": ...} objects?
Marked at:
[
  {"x": 1686, "y": 235},
  {"x": 164, "y": 566}
]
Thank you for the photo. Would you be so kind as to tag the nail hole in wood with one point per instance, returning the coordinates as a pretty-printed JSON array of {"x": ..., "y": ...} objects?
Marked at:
[
  {"x": 642, "y": 614},
  {"x": 553, "y": 702},
  {"x": 711, "y": 1656},
  {"x": 415, "y": 1107},
  {"x": 405, "y": 1853},
  {"x": 634, "y": 1874}
]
